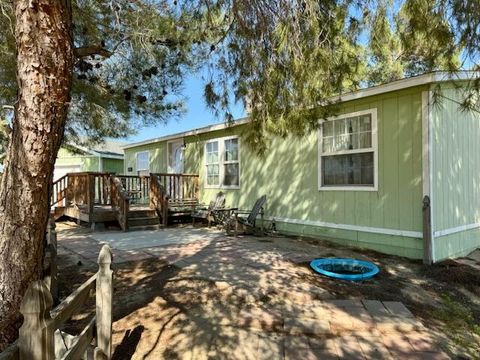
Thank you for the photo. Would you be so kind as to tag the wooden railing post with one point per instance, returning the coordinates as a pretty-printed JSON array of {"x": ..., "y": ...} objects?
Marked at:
[
  {"x": 36, "y": 336},
  {"x": 104, "y": 305},
  {"x": 90, "y": 196}
]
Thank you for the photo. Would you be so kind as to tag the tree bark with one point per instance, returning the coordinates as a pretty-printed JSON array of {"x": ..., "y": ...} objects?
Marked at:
[{"x": 44, "y": 76}]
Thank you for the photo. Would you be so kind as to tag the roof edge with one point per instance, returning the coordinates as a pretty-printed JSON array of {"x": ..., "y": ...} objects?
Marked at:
[
  {"x": 424, "y": 79},
  {"x": 196, "y": 131}
]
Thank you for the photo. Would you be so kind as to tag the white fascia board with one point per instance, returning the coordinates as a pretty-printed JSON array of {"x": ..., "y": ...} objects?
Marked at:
[{"x": 188, "y": 133}]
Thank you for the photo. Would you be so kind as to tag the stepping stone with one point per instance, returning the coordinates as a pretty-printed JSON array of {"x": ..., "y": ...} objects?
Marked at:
[
  {"x": 397, "y": 344},
  {"x": 297, "y": 342},
  {"x": 269, "y": 347},
  {"x": 260, "y": 319},
  {"x": 422, "y": 341},
  {"x": 348, "y": 347},
  {"x": 307, "y": 326},
  {"x": 376, "y": 308},
  {"x": 373, "y": 348},
  {"x": 399, "y": 325},
  {"x": 343, "y": 303},
  {"x": 310, "y": 354},
  {"x": 397, "y": 309}
]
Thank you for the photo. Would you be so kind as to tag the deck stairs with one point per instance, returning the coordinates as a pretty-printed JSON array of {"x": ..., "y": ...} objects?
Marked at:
[
  {"x": 135, "y": 202},
  {"x": 144, "y": 219}
]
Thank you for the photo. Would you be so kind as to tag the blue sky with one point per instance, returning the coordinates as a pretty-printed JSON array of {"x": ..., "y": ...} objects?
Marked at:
[{"x": 197, "y": 114}]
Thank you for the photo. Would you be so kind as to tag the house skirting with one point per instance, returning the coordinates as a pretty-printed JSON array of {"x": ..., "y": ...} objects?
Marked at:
[
  {"x": 453, "y": 243},
  {"x": 389, "y": 241}
]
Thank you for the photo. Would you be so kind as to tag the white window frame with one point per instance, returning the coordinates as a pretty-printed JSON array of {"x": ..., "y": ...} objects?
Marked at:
[
  {"x": 373, "y": 148},
  {"x": 136, "y": 161},
  {"x": 222, "y": 162}
]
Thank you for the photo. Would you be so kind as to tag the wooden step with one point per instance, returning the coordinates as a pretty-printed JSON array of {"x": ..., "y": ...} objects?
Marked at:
[
  {"x": 143, "y": 221},
  {"x": 144, "y": 213},
  {"x": 57, "y": 212},
  {"x": 145, "y": 227}
]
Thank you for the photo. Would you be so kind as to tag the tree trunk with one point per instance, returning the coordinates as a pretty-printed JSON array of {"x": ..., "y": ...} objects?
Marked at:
[{"x": 44, "y": 76}]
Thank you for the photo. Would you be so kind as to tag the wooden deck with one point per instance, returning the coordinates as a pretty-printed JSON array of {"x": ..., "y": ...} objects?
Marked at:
[{"x": 133, "y": 201}]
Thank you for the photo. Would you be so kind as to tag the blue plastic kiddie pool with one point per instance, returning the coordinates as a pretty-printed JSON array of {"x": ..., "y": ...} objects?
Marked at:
[{"x": 345, "y": 269}]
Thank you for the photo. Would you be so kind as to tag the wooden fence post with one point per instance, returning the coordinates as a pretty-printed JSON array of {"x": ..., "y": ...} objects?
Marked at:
[
  {"x": 52, "y": 277},
  {"x": 104, "y": 305},
  {"x": 36, "y": 336},
  {"x": 90, "y": 196},
  {"x": 427, "y": 232}
]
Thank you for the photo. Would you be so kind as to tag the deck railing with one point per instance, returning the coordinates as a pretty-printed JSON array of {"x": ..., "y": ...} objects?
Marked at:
[
  {"x": 137, "y": 187},
  {"x": 179, "y": 186},
  {"x": 40, "y": 337},
  {"x": 158, "y": 198},
  {"x": 85, "y": 190},
  {"x": 81, "y": 188},
  {"x": 120, "y": 201}
]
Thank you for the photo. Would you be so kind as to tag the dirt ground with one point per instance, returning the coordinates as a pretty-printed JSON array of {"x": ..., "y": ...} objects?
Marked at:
[{"x": 155, "y": 295}]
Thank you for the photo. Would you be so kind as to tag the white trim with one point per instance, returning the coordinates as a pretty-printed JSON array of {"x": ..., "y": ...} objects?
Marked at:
[
  {"x": 221, "y": 162},
  {"x": 374, "y": 149},
  {"x": 136, "y": 161},
  {"x": 430, "y": 166},
  {"x": 193, "y": 132},
  {"x": 374, "y": 230},
  {"x": 457, "y": 229},
  {"x": 419, "y": 80},
  {"x": 425, "y": 146},
  {"x": 97, "y": 153},
  {"x": 427, "y": 162}
]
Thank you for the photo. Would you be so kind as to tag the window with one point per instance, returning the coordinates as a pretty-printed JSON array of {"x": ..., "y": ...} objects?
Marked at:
[
  {"x": 222, "y": 162},
  {"x": 143, "y": 161},
  {"x": 348, "y": 152}
]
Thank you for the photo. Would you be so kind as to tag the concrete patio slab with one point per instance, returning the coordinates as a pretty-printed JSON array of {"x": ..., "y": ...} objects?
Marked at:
[{"x": 154, "y": 238}]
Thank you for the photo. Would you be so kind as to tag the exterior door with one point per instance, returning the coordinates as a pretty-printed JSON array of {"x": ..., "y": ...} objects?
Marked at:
[
  {"x": 175, "y": 157},
  {"x": 175, "y": 166}
]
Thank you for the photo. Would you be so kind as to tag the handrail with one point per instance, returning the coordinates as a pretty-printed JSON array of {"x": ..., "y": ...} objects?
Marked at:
[
  {"x": 158, "y": 198},
  {"x": 70, "y": 305},
  {"x": 59, "y": 190},
  {"x": 120, "y": 201},
  {"x": 176, "y": 174},
  {"x": 179, "y": 186},
  {"x": 41, "y": 323}
]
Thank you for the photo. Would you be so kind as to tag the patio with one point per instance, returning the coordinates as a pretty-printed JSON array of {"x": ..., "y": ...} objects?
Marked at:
[{"x": 186, "y": 293}]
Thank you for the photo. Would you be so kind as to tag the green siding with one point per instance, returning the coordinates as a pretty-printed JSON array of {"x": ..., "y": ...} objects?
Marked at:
[
  {"x": 456, "y": 173},
  {"x": 288, "y": 175},
  {"x": 91, "y": 163},
  {"x": 157, "y": 155},
  {"x": 112, "y": 165},
  {"x": 66, "y": 157},
  {"x": 88, "y": 162}
]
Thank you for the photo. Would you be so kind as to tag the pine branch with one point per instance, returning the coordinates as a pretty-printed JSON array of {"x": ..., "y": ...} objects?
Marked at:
[{"x": 84, "y": 51}]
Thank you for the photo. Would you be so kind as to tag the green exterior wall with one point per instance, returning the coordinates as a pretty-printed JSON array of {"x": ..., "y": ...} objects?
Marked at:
[
  {"x": 455, "y": 174},
  {"x": 112, "y": 165},
  {"x": 288, "y": 175},
  {"x": 88, "y": 162},
  {"x": 157, "y": 155}
]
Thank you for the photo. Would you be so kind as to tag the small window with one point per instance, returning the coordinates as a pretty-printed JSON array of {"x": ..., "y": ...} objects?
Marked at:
[
  {"x": 213, "y": 166},
  {"x": 143, "y": 161},
  {"x": 222, "y": 160},
  {"x": 347, "y": 152}
]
